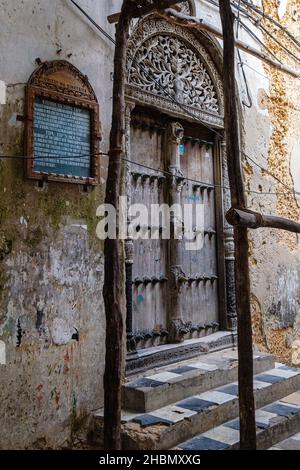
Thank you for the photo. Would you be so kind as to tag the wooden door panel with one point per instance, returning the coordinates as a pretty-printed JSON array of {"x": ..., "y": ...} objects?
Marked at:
[
  {"x": 198, "y": 300},
  {"x": 150, "y": 256}
]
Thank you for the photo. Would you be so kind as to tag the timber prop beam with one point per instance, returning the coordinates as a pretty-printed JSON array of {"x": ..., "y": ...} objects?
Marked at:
[{"x": 251, "y": 219}]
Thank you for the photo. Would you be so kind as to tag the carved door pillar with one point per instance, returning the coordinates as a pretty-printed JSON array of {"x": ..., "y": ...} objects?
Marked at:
[
  {"x": 131, "y": 344},
  {"x": 229, "y": 247},
  {"x": 175, "y": 133}
]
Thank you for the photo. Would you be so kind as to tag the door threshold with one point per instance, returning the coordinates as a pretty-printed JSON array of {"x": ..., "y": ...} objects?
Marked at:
[{"x": 159, "y": 356}]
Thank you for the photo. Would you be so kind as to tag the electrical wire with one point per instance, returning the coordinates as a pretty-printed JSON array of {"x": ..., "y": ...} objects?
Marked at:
[
  {"x": 168, "y": 173},
  {"x": 156, "y": 170},
  {"x": 147, "y": 74},
  {"x": 272, "y": 20},
  {"x": 249, "y": 104},
  {"x": 248, "y": 30},
  {"x": 97, "y": 26},
  {"x": 142, "y": 165},
  {"x": 211, "y": 129},
  {"x": 270, "y": 174},
  {"x": 257, "y": 23},
  {"x": 295, "y": 108},
  {"x": 264, "y": 29},
  {"x": 256, "y": 71}
]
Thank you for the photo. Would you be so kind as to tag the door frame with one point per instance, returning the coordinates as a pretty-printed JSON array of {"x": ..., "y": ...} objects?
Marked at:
[{"x": 218, "y": 156}]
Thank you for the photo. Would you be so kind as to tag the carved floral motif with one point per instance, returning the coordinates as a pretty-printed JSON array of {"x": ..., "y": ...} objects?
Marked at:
[
  {"x": 185, "y": 8},
  {"x": 138, "y": 89},
  {"x": 165, "y": 65}
]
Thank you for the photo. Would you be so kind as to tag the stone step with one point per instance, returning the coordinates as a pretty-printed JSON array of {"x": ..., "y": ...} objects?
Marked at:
[
  {"x": 292, "y": 443},
  {"x": 165, "y": 427},
  {"x": 178, "y": 381},
  {"x": 160, "y": 356},
  {"x": 278, "y": 420}
]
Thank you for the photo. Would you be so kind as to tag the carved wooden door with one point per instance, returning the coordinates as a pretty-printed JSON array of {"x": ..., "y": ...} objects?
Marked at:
[
  {"x": 175, "y": 289},
  {"x": 198, "y": 294},
  {"x": 150, "y": 282}
]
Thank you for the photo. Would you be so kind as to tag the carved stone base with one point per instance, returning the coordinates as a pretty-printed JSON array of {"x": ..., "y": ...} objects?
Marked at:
[
  {"x": 230, "y": 288},
  {"x": 131, "y": 344},
  {"x": 232, "y": 321},
  {"x": 177, "y": 330},
  {"x": 161, "y": 356}
]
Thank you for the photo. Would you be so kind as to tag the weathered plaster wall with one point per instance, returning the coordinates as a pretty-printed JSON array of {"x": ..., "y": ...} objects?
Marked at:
[
  {"x": 271, "y": 136},
  {"x": 51, "y": 263},
  {"x": 274, "y": 255}
]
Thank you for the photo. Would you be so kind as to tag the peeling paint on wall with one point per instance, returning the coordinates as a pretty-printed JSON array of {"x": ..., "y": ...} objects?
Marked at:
[
  {"x": 274, "y": 255},
  {"x": 279, "y": 106},
  {"x": 51, "y": 262},
  {"x": 258, "y": 327},
  {"x": 288, "y": 292},
  {"x": 2, "y": 92},
  {"x": 281, "y": 8}
]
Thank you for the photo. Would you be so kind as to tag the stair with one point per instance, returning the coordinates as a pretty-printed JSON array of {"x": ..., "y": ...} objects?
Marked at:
[
  {"x": 292, "y": 443},
  {"x": 275, "y": 421},
  {"x": 187, "y": 378},
  {"x": 195, "y": 403}
]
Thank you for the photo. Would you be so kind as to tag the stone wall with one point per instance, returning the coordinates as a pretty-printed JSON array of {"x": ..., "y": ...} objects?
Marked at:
[
  {"x": 51, "y": 263},
  {"x": 271, "y": 135}
]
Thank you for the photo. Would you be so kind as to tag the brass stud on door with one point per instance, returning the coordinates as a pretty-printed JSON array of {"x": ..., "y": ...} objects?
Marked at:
[
  {"x": 146, "y": 280},
  {"x": 145, "y": 176},
  {"x": 136, "y": 175},
  {"x": 161, "y": 179},
  {"x": 137, "y": 281}
]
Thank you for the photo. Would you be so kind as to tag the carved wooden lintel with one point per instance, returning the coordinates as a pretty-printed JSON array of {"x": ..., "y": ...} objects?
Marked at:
[{"x": 179, "y": 98}]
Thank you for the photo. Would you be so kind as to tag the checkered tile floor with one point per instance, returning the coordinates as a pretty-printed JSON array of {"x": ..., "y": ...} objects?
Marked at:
[
  {"x": 227, "y": 435},
  {"x": 292, "y": 443},
  {"x": 202, "y": 410},
  {"x": 206, "y": 401}
]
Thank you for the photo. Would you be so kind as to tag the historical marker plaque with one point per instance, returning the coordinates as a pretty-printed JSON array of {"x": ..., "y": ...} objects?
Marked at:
[
  {"x": 62, "y": 126},
  {"x": 62, "y": 139}
]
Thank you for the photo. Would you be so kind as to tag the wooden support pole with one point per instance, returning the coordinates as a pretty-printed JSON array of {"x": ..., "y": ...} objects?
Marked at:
[
  {"x": 242, "y": 281},
  {"x": 198, "y": 23},
  {"x": 114, "y": 278},
  {"x": 114, "y": 292},
  {"x": 251, "y": 219}
]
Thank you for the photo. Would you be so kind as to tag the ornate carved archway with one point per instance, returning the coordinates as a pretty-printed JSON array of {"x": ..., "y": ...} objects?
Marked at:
[{"x": 169, "y": 68}]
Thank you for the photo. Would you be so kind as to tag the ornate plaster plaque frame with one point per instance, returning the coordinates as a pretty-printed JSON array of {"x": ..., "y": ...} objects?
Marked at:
[{"x": 61, "y": 82}]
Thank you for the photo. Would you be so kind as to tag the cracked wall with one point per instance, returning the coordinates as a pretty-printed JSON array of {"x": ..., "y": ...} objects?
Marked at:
[
  {"x": 52, "y": 318},
  {"x": 274, "y": 254},
  {"x": 51, "y": 265}
]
